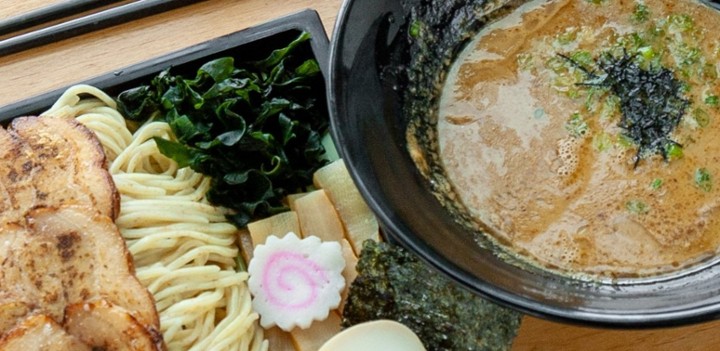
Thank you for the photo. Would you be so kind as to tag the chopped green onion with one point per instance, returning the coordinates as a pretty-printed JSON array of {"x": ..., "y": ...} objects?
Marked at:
[
  {"x": 611, "y": 107},
  {"x": 656, "y": 184},
  {"x": 563, "y": 83},
  {"x": 525, "y": 61},
  {"x": 625, "y": 141},
  {"x": 712, "y": 100},
  {"x": 686, "y": 55},
  {"x": 556, "y": 65},
  {"x": 703, "y": 180},
  {"x": 684, "y": 87},
  {"x": 637, "y": 207},
  {"x": 647, "y": 52},
  {"x": 583, "y": 58},
  {"x": 567, "y": 37},
  {"x": 631, "y": 42},
  {"x": 681, "y": 22},
  {"x": 573, "y": 93},
  {"x": 576, "y": 126},
  {"x": 657, "y": 31},
  {"x": 602, "y": 142},
  {"x": 415, "y": 29},
  {"x": 701, "y": 117},
  {"x": 674, "y": 151},
  {"x": 641, "y": 13}
]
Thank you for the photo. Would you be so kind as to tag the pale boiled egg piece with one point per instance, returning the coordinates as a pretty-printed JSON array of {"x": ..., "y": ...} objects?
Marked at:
[{"x": 375, "y": 336}]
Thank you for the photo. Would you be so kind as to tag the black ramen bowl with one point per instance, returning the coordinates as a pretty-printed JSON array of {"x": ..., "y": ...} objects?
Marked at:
[{"x": 380, "y": 68}]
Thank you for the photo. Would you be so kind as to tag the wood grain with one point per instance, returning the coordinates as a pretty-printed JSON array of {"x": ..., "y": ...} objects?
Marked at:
[
  {"x": 10, "y": 9},
  {"x": 56, "y": 65},
  {"x": 42, "y": 69},
  {"x": 540, "y": 335}
]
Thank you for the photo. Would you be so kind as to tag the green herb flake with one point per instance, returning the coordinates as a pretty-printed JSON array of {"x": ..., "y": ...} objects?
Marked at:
[
  {"x": 602, "y": 142},
  {"x": 640, "y": 13},
  {"x": 647, "y": 55},
  {"x": 701, "y": 117},
  {"x": 712, "y": 100},
  {"x": 703, "y": 179},
  {"x": 625, "y": 141},
  {"x": 657, "y": 31},
  {"x": 673, "y": 151},
  {"x": 684, "y": 87},
  {"x": 576, "y": 126},
  {"x": 633, "y": 42},
  {"x": 563, "y": 83},
  {"x": 611, "y": 107},
  {"x": 656, "y": 184},
  {"x": 690, "y": 55},
  {"x": 681, "y": 22},
  {"x": 591, "y": 100},
  {"x": 556, "y": 65},
  {"x": 573, "y": 93},
  {"x": 637, "y": 207},
  {"x": 415, "y": 29},
  {"x": 567, "y": 37},
  {"x": 583, "y": 58},
  {"x": 525, "y": 61}
]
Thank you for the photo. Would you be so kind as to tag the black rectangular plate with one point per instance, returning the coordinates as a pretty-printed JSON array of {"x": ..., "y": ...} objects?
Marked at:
[{"x": 250, "y": 44}]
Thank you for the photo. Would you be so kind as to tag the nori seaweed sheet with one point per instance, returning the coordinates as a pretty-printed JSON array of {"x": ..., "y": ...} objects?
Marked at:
[{"x": 394, "y": 284}]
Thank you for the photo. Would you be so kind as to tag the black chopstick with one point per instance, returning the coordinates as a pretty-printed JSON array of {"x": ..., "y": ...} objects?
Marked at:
[
  {"x": 49, "y": 13},
  {"x": 108, "y": 18}
]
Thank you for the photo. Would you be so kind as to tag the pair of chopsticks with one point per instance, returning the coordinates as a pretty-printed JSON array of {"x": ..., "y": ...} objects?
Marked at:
[{"x": 114, "y": 15}]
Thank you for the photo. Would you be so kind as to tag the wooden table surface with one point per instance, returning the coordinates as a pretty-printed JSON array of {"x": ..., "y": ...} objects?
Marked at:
[{"x": 62, "y": 63}]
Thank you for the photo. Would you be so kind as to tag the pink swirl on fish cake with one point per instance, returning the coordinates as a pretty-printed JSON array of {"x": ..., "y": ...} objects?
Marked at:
[
  {"x": 295, "y": 281},
  {"x": 289, "y": 274}
]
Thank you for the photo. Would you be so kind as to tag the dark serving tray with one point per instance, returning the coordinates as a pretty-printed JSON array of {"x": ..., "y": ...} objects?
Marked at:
[{"x": 249, "y": 44}]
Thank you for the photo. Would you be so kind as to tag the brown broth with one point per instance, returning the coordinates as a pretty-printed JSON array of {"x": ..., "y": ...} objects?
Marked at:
[{"x": 570, "y": 202}]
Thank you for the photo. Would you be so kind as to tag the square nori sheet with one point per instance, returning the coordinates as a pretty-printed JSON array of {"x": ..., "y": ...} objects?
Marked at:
[{"x": 394, "y": 284}]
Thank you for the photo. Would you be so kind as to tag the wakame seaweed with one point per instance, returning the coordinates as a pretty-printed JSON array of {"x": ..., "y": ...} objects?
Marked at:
[
  {"x": 651, "y": 101},
  {"x": 394, "y": 284},
  {"x": 254, "y": 127}
]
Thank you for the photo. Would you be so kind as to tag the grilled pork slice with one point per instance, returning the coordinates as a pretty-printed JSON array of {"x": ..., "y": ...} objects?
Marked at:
[
  {"x": 94, "y": 258},
  {"x": 21, "y": 292},
  {"x": 69, "y": 164},
  {"x": 31, "y": 276},
  {"x": 70, "y": 255},
  {"x": 40, "y": 333},
  {"x": 10, "y": 314},
  {"x": 16, "y": 189},
  {"x": 102, "y": 325}
]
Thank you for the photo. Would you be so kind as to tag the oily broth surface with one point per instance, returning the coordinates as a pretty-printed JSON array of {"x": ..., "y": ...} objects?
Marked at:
[{"x": 555, "y": 198}]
